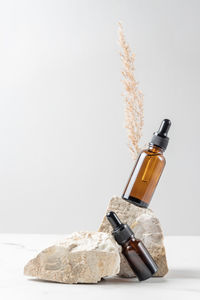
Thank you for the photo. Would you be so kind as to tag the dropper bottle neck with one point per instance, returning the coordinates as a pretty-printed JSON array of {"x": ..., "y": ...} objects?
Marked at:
[
  {"x": 160, "y": 138},
  {"x": 155, "y": 149},
  {"x": 121, "y": 232}
]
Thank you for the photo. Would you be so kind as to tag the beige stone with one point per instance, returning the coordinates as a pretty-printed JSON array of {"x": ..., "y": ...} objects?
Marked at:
[
  {"x": 146, "y": 227},
  {"x": 83, "y": 257}
]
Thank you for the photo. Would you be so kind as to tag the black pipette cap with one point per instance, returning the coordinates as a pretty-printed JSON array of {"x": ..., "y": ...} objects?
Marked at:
[
  {"x": 121, "y": 232},
  {"x": 160, "y": 137}
]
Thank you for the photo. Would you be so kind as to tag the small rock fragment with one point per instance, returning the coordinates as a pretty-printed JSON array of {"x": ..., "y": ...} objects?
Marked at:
[{"x": 83, "y": 257}]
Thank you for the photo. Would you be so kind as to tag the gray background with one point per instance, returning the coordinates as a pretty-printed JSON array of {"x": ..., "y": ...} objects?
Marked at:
[{"x": 63, "y": 148}]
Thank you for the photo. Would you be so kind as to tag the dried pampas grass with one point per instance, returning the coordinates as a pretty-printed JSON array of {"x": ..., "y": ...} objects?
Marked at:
[{"x": 134, "y": 111}]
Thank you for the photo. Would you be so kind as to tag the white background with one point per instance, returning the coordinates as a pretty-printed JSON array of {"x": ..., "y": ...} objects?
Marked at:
[{"x": 63, "y": 148}]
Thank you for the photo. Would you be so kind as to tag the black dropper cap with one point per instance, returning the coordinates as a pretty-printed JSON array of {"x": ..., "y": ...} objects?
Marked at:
[
  {"x": 160, "y": 137},
  {"x": 121, "y": 232}
]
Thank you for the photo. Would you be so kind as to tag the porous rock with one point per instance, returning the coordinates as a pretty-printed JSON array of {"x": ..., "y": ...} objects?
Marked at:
[
  {"x": 146, "y": 227},
  {"x": 83, "y": 257}
]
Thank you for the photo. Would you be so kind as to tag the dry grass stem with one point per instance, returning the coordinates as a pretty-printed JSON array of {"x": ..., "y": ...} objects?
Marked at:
[{"x": 133, "y": 98}]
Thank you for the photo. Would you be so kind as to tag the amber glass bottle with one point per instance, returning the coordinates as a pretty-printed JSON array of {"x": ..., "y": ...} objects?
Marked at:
[
  {"x": 135, "y": 252},
  {"x": 148, "y": 169}
]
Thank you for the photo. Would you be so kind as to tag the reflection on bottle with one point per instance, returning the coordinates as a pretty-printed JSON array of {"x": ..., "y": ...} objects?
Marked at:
[{"x": 149, "y": 169}]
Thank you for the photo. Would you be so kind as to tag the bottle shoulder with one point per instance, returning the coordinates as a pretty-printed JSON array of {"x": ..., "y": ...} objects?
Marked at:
[
  {"x": 131, "y": 245},
  {"x": 146, "y": 155},
  {"x": 149, "y": 152}
]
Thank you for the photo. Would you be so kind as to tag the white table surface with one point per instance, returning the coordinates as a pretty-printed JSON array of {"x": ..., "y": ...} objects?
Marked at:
[{"x": 183, "y": 279}]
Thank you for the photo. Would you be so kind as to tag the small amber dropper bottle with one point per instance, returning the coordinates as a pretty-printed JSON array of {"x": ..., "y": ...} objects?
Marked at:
[
  {"x": 133, "y": 249},
  {"x": 148, "y": 169}
]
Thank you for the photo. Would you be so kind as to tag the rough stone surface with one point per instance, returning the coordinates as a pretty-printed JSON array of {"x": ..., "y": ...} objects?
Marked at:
[
  {"x": 146, "y": 227},
  {"x": 83, "y": 257}
]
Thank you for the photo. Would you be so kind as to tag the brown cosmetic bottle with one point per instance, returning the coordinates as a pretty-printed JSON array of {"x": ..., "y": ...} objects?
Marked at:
[
  {"x": 133, "y": 249},
  {"x": 148, "y": 169}
]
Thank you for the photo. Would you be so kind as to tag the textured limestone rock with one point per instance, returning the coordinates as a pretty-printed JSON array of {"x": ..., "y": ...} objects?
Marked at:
[
  {"x": 83, "y": 257},
  {"x": 146, "y": 228}
]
